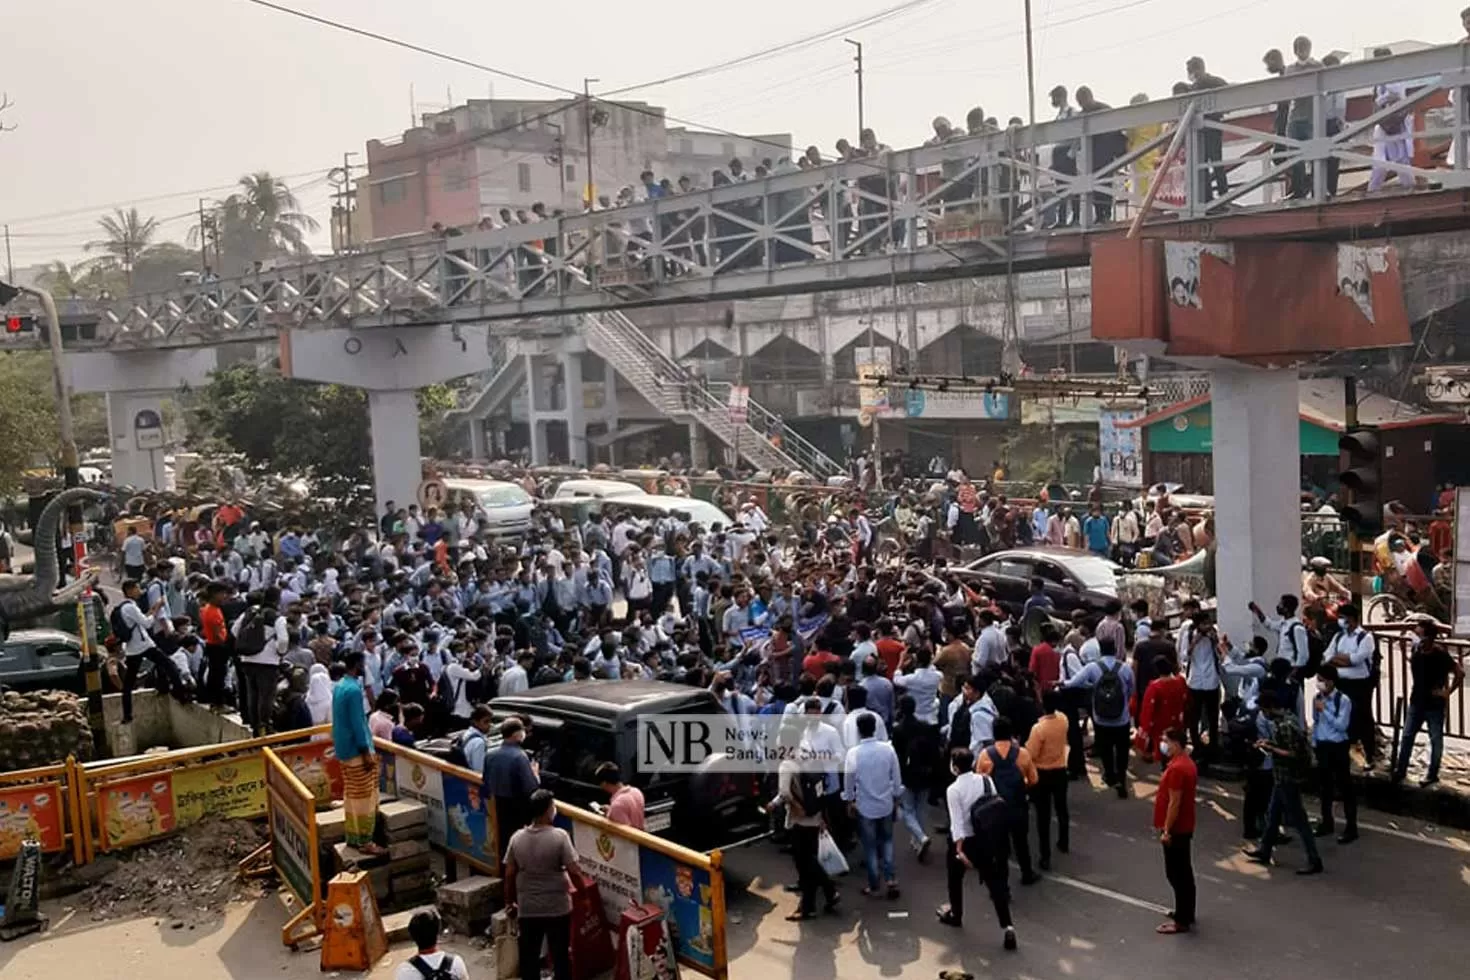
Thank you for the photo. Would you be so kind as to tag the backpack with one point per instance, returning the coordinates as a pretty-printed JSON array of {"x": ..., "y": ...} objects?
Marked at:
[
  {"x": 444, "y": 971},
  {"x": 446, "y": 692},
  {"x": 457, "y": 756},
  {"x": 1109, "y": 698},
  {"x": 121, "y": 628},
  {"x": 990, "y": 818},
  {"x": 1010, "y": 784},
  {"x": 255, "y": 631},
  {"x": 1315, "y": 649}
]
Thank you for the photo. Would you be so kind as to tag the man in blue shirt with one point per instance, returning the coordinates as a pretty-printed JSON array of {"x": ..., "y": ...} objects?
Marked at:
[
  {"x": 1111, "y": 682},
  {"x": 510, "y": 779},
  {"x": 1096, "y": 531},
  {"x": 352, "y": 743},
  {"x": 1038, "y": 599},
  {"x": 871, "y": 787},
  {"x": 1332, "y": 714}
]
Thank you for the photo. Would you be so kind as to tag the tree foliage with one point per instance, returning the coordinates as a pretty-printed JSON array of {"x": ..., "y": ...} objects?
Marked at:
[
  {"x": 296, "y": 428},
  {"x": 262, "y": 220},
  {"x": 29, "y": 434}
]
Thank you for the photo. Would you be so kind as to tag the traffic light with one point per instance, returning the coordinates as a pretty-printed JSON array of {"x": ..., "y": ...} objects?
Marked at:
[
  {"x": 19, "y": 324},
  {"x": 1362, "y": 473},
  {"x": 7, "y": 292}
]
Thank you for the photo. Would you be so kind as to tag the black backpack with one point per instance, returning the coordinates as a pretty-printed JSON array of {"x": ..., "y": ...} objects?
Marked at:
[
  {"x": 1109, "y": 697},
  {"x": 255, "y": 631},
  {"x": 457, "y": 756},
  {"x": 990, "y": 818},
  {"x": 1315, "y": 649},
  {"x": 121, "y": 628},
  {"x": 444, "y": 971},
  {"x": 813, "y": 786},
  {"x": 1005, "y": 773}
]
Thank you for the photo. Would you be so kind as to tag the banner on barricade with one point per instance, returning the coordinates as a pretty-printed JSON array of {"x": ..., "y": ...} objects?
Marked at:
[{"x": 31, "y": 812}]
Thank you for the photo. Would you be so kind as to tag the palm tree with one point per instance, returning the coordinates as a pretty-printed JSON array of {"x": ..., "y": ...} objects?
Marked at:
[
  {"x": 86, "y": 280},
  {"x": 128, "y": 234},
  {"x": 262, "y": 220}
]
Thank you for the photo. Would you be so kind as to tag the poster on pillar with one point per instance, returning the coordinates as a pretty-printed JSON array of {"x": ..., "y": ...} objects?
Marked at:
[
  {"x": 872, "y": 365},
  {"x": 148, "y": 429}
]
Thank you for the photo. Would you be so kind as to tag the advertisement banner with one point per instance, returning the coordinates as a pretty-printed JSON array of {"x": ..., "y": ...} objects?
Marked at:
[
  {"x": 613, "y": 861},
  {"x": 873, "y": 363},
  {"x": 134, "y": 810},
  {"x": 316, "y": 767},
  {"x": 1120, "y": 451},
  {"x": 687, "y": 898},
  {"x": 229, "y": 788},
  {"x": 739, "y": 404},
  {"x": 291, "y": 847},
  {"x": 423, "y": 784},
  {"x": 467, "y": 819},
  {"x": 30, "y": 812}
]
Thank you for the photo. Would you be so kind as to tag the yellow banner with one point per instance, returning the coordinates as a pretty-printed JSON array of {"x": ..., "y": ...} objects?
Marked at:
[{"x": 229, "y": 788}]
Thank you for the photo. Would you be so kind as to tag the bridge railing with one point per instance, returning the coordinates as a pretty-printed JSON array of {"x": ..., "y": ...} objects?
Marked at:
[{"x": 986, "y": 199}]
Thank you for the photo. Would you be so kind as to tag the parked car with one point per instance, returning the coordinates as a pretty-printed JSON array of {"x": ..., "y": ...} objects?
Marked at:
[
  {"x": 507, "y": 507},
  {"x": 41, "y": 659},
  {"x": 578, "y": 726},
  {"x": 595, "y": 490},
  {"x": 1073, "y": 579}
]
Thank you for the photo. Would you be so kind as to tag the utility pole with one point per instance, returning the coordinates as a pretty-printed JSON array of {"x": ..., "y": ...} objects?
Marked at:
[
  {"x": 203, "y": 239},
  {"x": 859, "y": 73},
  {"x": 9, "y": 265},
  {"x": 347, "y": 195},
  {"x": 587, "y": 134},
  {"x": 1030, "y": 71},
  {"x": 1355, "y": 546},
  {"x": 561, "y": 160}
]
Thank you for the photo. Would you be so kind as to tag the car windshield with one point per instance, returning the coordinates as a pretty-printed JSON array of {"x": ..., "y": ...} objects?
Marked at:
[
  {"x": 506, "y": 496},
  {"x": 1093, "y": 573}
]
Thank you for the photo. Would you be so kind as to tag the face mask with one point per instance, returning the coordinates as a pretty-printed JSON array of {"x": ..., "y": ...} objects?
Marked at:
[
  {"x": 1165, "y": 748},
  {"x": 1342, "y": 624},
  {"x": 1323, "y": 690}
]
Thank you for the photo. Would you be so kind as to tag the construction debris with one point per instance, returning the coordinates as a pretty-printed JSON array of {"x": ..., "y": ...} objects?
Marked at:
[{"x": 184, "y": 881}]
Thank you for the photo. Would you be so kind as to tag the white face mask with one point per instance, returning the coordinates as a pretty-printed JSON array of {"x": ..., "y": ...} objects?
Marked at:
[{"x": 1165, "y": 748}]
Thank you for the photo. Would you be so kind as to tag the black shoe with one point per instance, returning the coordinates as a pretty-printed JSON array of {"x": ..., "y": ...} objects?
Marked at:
[
  {"x": 1311, "y": 869},
  {"x": 924, "y": 850},
  {"x": 1322, "y": 830},
  {"x": 833, "y": 904},
  {"x": 948, "y": 918},
  {"x": 1426, "y": 783},
  {"x": 1010, "y": 940},
  {"x": 1256, "y": 857},
  {"x": 1348, "y": 836},
  {"x": 1122, "y": 791}
]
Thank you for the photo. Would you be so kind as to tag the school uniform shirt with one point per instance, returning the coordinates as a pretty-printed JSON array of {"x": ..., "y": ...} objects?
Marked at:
[
  {"x": 966, "y": 790},
  {"x": 1359, "y": 646},
  {"x": 923, "y": 686}
]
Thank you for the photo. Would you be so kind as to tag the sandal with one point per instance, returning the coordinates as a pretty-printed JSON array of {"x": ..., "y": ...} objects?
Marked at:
[{"x": 1171, "y": 928}]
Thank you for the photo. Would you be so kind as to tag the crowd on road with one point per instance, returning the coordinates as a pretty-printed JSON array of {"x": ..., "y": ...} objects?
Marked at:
[{"x": 932, "y": 702}]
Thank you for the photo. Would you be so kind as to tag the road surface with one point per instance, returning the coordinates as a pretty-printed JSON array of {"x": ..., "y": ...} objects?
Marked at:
[{"x": 1392, "y": 905}]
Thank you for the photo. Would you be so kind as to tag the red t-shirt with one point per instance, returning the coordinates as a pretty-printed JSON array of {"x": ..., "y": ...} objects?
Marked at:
[
  {"x": 1180, "y": 775},
  {"x": 816, "y": 662},
  {"x": 1046, "y": 665},
  {"x": 890, "y": 651}
]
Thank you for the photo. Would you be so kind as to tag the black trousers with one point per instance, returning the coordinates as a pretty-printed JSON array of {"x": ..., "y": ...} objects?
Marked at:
[
  {"x": 1361, "y": 727},
  {"x": 1179, "y": 869},
  {"x": 1021, "y": 839},
  {"x": 162, "y": 669},
  {"x": 1050, "y": 794},
  {"x": 1214, "y": 181},
  {"x": 1111, "y": 742},
  {"x": 1202, "y": 713},
  {"x": 662, "y": 593},
  {"x": 994, "y": 870},
  {"x": 1258, "y": 783},
  {"x": 1334, "y": 777},
  {"x": 258, "y": 684},
  {"x": 556, "y": 931},
  {"x": 839, "y": 821},
  {"x": 216, "y": 669},
  {"x": 1072, "y": 700},
  {"x": 811, "y": 877}
]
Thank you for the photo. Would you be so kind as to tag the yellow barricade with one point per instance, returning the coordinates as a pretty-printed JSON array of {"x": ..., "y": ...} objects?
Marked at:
[{"x": 294, "y": 850}]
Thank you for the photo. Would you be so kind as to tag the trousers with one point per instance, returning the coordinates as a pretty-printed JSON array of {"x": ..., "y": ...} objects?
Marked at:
[
  {"x": 994, "y": 869},
  {"x": 1179, "y": 869}
]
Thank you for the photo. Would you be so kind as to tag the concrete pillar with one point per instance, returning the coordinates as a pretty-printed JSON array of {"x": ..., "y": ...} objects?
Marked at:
[
  {"x": 575, "y": 408},
  {"x": 698, "y": 448},
  {"x": 138, "y": 446},
  {"x": 397, "y": 470},
  {"x": 610, "y": 410},
  {"x": 537, "y": 428},
  {"x": 1258, "y": 520}
]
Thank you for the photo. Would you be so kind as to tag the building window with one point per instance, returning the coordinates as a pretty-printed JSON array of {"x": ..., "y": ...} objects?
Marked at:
[
  {"x": 727, "y": 150},
  {"x": 686, "y": 148},
  {"x": 392, "y": 191},
  {"x": 523, "y": 177},
  {"x": 571, "y": 171}
]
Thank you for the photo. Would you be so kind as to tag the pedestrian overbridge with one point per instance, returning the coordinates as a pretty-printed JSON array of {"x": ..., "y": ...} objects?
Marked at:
[{"x": 994, "y": 203}]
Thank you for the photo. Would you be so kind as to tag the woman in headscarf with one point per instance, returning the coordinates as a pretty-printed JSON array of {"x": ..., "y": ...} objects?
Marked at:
[
  {"x": 329, "y": 583},
  {"x": 319, "y": 695}
]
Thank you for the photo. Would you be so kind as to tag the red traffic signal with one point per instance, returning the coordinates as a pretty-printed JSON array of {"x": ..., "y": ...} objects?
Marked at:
[{"x": 15, "y": 324}]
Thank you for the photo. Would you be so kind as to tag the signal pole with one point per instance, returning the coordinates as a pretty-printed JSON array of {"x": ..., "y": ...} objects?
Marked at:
[
  {"x": 9, "y": 265},
  {"x": 1355, "y": 548},
  {"x": 859, "y": 73},
  {"x": 587, "y": 135}
]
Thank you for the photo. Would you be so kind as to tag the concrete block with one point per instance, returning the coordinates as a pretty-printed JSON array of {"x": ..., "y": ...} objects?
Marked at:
[
  {"x": 395, "y": 924},
  {"x": 417, "y": 898},
  {"x": 414, "y": 881},
  {"x": 399, "y": 850},
  {"x": 473, "y": 893},
  {"x": 400, "y": 814},
  {"x": 382, "y": 883},
  {"x": 331, "y": 825},
  {"x": 412, "y": 832},
  {"x": 408, "y": 865},
  {"x": 348, "y": 858}
]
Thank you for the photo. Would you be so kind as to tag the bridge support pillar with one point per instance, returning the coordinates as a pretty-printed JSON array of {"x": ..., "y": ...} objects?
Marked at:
[
  {"x": 698, "y": 447},
  {"x": 1257, "y": 459},
  {"x": 551, "y": 400},
  {"x": 394, "y": 419}
]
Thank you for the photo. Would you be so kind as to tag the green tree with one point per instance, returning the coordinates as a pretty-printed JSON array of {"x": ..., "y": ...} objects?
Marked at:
[
  {"x": 127, "y": 234},
  {"x": 86, "y": 280},
  {"x": 295, "y": 428},
  {"x": 29, "y": 433},
  {"x": 159, "y": 267},
  {"x": 262, "y": 220}
]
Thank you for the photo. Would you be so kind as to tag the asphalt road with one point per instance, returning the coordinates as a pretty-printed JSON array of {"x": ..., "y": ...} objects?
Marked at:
[{"x": 1392, "y": 905}]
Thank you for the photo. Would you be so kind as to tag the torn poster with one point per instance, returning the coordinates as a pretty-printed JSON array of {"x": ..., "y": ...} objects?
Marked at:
[
  {"x": 1182, "y": 265},
  {"x": 1356, "y": 265}
]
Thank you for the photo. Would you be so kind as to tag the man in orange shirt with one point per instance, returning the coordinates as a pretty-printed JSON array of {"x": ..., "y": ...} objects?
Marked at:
[
  {"x": 216, "y": 635},
  {"x": 1010, "y": 767},
  {"x": 890, "y": 647},
  {"x": 1174, "y": 820},
  {"x": 1047, "y": 748}
]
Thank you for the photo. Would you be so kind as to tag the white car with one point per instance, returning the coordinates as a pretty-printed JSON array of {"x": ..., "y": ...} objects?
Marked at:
[
  {"x": 595, "y": 490},
  {"x": 507, "y": 507}
]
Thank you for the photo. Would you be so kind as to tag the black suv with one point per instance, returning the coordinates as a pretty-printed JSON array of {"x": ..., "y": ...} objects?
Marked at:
[{"x": 578, "y": 726}]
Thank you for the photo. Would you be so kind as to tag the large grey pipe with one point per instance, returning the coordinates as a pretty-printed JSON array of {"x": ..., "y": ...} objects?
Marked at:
[{"x": 37, "y": 600}]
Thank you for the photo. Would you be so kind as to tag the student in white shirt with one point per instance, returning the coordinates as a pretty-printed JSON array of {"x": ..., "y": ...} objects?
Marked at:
[
  {"x": 430, "y": 963},
  {"x": 990, "y": 858},
  {"x": 132, "y": 626}
]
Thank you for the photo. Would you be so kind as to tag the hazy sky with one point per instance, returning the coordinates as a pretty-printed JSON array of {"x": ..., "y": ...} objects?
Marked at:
[{"x": 159, "y": 102}]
